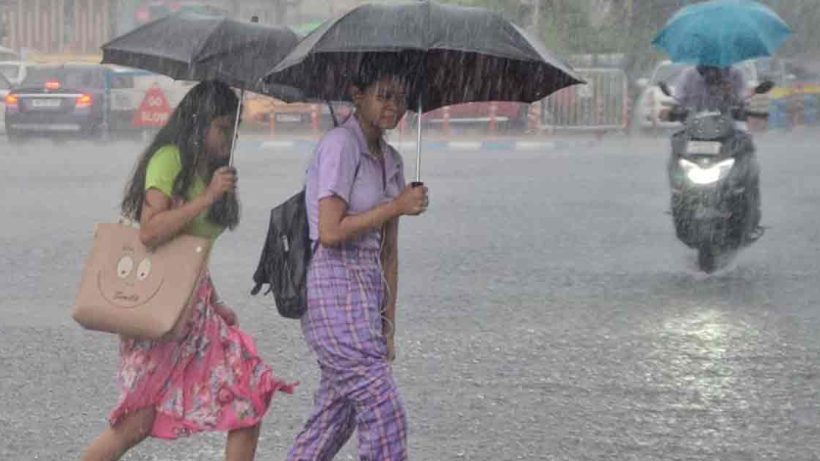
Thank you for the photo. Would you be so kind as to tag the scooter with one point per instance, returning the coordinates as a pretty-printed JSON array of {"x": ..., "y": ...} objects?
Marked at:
[{"x": 714, "y": 180}]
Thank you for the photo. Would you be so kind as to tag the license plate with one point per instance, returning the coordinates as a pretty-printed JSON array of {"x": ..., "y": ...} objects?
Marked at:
[
  {"x": 45, "y": 103},
  {"x": 703, "y": 147},
  {"x": 288, "y": 118}
]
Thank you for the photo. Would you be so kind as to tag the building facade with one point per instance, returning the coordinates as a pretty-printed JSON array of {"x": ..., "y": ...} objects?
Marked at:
[{"x": 58, "y": 26}]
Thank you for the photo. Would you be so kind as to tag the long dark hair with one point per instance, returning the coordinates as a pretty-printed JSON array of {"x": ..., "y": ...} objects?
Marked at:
[{"x": 186, "y": 129}]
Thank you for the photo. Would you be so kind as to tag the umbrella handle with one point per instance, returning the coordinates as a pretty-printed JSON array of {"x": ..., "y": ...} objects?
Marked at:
[
  {"x": 236, "y": 126},
  {"x": 418, "y": 182},
  {"x": 332, "y": 114}
]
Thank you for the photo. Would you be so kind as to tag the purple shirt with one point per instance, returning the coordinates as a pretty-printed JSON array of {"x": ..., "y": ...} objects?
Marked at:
[
  {"x": 693, "y": 92},
  {"x": 331, "y": 173}
]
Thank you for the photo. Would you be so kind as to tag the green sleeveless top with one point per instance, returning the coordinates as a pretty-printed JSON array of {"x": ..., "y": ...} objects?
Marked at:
[{"x": 163, "y": 169}]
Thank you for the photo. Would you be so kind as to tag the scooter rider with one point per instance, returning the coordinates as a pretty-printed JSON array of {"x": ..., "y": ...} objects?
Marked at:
[
  {"x": 703, "y": 88},
  {"x": 710, "y": 88}
]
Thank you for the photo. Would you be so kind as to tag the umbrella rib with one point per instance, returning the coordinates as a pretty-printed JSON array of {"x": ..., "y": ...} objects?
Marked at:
[
  {"x": 196, "y": 54},
  {"x": 327, "y": 31}
]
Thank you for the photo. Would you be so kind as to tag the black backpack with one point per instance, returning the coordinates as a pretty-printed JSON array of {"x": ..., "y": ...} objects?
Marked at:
[{"x": 285, "y": 257}]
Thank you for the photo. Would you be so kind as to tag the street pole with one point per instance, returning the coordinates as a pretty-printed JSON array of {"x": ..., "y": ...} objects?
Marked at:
[{"x": 536, "y": 16}]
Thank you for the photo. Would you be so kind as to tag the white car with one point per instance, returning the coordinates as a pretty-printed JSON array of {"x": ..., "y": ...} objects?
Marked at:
[
  {"x": 646, "y": 115},
  {"x": 14, "y": 71}
]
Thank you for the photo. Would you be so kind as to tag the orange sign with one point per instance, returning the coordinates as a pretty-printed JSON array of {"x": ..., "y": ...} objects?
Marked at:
[{"x": 153, "y": 111}]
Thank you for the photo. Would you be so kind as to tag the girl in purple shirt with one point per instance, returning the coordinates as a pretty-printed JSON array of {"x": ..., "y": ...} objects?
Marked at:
[{"x": 355, "y": 194}]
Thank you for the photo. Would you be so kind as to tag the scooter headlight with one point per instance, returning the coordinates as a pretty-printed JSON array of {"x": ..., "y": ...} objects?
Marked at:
[{"x": 708, "y": 175}]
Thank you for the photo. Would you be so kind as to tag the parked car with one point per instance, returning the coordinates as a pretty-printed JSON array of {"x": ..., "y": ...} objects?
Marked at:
[
  {"x": 58, "y": 99},
  {"x": 646, "y": 111},
  {"x": 5, "y": 88},
  {"x": 14, "y": 71}
]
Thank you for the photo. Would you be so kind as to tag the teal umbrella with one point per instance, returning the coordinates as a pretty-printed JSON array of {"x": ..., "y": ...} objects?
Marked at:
[{"x": 722, "y": 32}]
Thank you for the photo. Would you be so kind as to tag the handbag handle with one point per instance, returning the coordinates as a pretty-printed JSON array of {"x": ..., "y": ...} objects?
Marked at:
[{"x": 126, "y": 221}]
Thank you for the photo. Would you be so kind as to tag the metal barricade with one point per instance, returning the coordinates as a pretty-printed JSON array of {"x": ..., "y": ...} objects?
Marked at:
[{"x": 600, "y": 105}]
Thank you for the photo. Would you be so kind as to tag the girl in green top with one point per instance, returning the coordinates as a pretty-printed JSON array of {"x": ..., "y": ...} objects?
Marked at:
[{"x": 211, "y": 377}]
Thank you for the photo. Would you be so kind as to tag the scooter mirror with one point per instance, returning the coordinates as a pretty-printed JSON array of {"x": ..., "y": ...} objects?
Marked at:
[
  {"x": 764, "y": 87},
  {"x": 665, "y": 89}
]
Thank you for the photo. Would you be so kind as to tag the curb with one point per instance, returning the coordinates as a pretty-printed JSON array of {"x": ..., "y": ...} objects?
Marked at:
[{"x": 308, "y": 145}]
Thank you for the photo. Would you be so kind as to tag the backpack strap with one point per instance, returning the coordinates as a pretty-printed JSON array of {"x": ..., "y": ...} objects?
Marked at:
[
  {"x": 359, "y": 163},
  {"x": 315, "y": 245}
]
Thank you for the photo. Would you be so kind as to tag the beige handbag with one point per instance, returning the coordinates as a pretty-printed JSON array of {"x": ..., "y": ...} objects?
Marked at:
[{"x": 138, "y": 292}]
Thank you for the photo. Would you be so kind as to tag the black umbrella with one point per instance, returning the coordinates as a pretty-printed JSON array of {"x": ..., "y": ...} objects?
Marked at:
[
  {"x": 453, "y": 55},
  {"x": 190, "y": 46}
]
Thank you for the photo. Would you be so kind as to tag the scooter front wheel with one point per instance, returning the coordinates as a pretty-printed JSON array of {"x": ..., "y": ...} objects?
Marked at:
[{"x": 707, "y": 260}]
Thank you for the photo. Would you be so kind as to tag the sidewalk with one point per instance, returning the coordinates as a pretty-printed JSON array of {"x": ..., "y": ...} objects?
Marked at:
[{"x": 433, "y": 142}]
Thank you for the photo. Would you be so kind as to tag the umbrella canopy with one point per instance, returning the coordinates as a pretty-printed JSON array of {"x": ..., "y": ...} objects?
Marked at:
[
  {"x": 722, "y": 32},
  {"x": 191, "y": 46},
  {"x": 453, "y": 54}
]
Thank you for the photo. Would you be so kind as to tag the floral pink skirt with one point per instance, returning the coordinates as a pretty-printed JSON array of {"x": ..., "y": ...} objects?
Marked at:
[{"x": 211, "y": 379}]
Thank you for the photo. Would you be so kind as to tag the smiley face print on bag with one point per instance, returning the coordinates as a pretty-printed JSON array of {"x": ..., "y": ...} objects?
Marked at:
[{"x": 130, "y": 277}]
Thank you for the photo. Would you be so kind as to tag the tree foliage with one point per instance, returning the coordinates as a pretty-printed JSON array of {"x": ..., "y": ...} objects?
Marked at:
[{"x": 628, "y": 26}]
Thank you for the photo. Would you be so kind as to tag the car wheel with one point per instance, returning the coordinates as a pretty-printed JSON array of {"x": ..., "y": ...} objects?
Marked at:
[{"x": 92, "y": 132}]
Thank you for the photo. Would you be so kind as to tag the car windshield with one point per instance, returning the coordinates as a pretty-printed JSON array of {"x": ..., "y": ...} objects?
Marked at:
[{"x": 69, "y": 77}]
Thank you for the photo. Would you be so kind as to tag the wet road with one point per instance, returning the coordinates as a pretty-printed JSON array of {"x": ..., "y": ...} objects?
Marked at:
[{"x": 547, "y": 311}]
